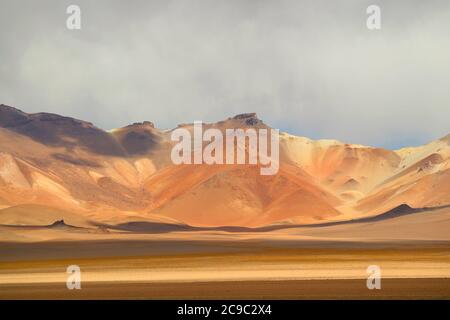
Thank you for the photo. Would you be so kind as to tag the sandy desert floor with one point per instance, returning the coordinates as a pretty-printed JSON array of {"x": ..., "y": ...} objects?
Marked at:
[
  {"x": 244, "y": 269},
  {"x": 328, "y": 262},
  {"x": 257, "y": 290}
]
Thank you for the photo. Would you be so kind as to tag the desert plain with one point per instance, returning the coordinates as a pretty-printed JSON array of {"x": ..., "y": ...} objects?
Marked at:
[{"x": 318, "y": 262}]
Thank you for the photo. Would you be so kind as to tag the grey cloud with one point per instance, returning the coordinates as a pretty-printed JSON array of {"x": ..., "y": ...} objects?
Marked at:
[{"x": 308, "y": 67}]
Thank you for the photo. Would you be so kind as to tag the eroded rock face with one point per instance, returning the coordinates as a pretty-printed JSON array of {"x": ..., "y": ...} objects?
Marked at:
[
  {"x": 58, "y": 223},
  {"x": 249, "y": 119},
  {"x": 142, "y": 124},
  {"x": 245, "y": 116}
]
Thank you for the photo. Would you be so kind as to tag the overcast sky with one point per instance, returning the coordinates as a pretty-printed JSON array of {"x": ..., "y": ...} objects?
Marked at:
[{"x": 311, "y": 68}]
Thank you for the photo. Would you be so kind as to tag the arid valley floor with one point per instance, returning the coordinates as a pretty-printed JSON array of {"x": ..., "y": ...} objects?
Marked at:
[{"x": 318, "y": 262}]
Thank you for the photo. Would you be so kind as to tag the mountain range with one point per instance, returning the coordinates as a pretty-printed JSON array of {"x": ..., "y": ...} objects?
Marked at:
[{"x": 54, "y": 167}]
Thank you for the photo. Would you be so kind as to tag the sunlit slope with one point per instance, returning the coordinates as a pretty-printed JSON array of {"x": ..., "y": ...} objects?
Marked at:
[
  {"x": 236, "y": 195},
  {"x": 127, "y": 173}
]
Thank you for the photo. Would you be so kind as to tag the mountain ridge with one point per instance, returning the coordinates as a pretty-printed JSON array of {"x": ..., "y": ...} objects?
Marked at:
[
  {"x": 252, "y": 116},
  {"x": 111, "y": 176}
]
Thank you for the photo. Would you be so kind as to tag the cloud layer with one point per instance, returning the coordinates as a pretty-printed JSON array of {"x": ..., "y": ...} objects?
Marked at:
[{"x": 307, "y": 67}]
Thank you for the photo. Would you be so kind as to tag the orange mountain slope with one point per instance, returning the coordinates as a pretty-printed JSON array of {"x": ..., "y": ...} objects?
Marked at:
[{"x": 126, "y": 174}]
